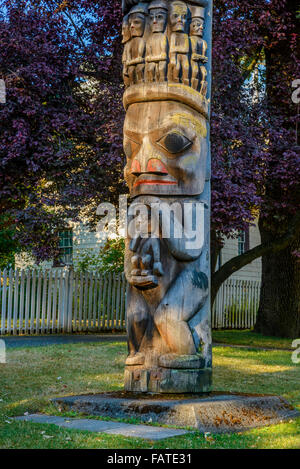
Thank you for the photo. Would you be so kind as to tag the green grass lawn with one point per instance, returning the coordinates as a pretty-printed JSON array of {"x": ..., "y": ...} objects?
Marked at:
[
  {"x": 251, "y": 339},
  {"x": 32, "y": 376}
]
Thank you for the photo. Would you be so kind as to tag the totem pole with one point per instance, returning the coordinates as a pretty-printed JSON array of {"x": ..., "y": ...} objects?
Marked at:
[{"x": 167, "y": 75}]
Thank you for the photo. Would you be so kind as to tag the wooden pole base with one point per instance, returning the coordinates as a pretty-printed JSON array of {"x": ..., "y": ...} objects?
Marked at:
[{"x": 164, "y": 380}]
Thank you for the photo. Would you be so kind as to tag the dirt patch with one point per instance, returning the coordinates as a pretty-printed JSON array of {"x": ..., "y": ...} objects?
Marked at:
[{"x": 171, "y": 397}]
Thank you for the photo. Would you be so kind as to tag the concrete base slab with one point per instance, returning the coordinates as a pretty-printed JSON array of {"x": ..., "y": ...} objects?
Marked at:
[
  {"x": 112, "y": 428},
  {"x": 216, "y": 412}
]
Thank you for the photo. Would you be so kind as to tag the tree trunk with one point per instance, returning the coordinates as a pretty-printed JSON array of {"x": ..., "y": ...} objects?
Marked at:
[
  {"x": 279, "y": 309},
  {"x": 271, "y": 245},
  {"x": 215, "y": 248}
]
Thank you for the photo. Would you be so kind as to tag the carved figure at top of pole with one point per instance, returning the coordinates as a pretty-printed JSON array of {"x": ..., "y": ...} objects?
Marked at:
[
  {"x": 166, "y": 43},
  {"x": 157, "y": 43},
  {"x": 127, "y": 4},
  {"x": 126, "y": 36},
  {"x": 199, "y": 48},
  {"x": 179, "y": 43},
  {"x": 137, "y": 45}
]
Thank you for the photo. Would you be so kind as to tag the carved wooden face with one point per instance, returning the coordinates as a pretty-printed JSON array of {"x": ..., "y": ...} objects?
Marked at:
[
  {"x": 196, "y": 27},
  {"x": 158, "y": 20},
  {"x": 165, "y": 146},
  {"x": 125, "y": 30},
  {"x": 137, "y": 24},
  {"x": 178, "y": 16}
]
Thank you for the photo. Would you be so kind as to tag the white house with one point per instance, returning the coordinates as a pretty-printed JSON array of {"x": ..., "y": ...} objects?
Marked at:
[
  {"x": 79, "y": 240},
  {"x": 233, "y": 247}
]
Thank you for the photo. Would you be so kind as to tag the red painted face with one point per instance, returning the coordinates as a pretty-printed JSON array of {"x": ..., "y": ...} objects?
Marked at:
[{"x": 165, "y": 145}]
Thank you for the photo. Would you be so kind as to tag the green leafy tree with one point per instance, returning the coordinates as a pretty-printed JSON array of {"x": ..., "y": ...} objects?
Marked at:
[
  {"x": 8, "y": 245},
  {"x": 109, "y": 258}
]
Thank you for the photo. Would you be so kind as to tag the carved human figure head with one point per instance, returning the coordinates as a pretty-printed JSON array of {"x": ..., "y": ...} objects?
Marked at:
[
  {"x": 197, "y": 23},
  {"x": 126, "y": 36},
  {"x": 165, "y": 146},
  {"x": 178, "y": 15},
  {"x": 137, "y": 20},
  {"x": 158, "y": 15}
]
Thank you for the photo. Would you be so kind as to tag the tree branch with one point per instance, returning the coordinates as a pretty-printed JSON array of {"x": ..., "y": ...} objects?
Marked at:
[
  {"x": 238, "y": 262},
  {"x": 70, "y": 18}
]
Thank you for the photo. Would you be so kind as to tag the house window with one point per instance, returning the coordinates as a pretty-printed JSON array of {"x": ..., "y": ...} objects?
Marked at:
[
  {"x": 65, "y": 248},
  {"x": 243, "y": 242}
]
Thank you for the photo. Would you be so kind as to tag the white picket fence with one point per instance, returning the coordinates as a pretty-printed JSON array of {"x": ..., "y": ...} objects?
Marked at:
[
  {"x": 35, "y": 302},
  {"x": 58, "y": 301},
  {"x": 236, "y": 305}
]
